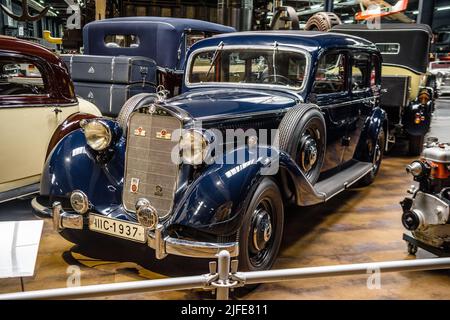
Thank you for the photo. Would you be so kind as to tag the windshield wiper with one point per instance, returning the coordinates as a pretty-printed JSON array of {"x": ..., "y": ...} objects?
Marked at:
[{"x": 214, "y": 58}]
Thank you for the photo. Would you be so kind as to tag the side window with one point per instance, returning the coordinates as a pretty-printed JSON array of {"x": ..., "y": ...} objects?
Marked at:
[
  {"x": 19, "y": 77},
  {"x": 361, "y": 72},
  {"x": 330, "y": 75}
]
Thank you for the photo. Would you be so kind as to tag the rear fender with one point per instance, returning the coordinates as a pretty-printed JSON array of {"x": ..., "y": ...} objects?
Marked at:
[
  {"x": 372, "y": 128},
  {"x": 409, "y": 117}
]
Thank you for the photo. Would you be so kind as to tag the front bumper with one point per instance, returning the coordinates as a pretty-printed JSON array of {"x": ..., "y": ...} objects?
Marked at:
[{"x": 156, "y": 239}]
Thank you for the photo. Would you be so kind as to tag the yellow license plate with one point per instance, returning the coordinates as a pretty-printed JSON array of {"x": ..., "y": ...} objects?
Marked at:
[{"x": 117, "y": 228}]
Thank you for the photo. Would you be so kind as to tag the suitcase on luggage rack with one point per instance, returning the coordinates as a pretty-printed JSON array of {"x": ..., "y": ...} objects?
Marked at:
[
  {"x": 109, "y": 98},
  {"x": 109, "y": 69}
]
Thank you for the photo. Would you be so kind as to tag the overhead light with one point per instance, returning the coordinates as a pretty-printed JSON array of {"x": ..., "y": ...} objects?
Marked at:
[
  {"x": 349, "y": 21},
  {"x": 315, "y": 6},
  {"x": 415, "y": 12},
  {"x": 443, "y": 8}
]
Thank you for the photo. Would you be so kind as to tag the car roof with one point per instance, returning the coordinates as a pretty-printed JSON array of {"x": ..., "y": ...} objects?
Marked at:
[
  {"x": 160, "y": 39},
  {"x": 308, "y": 40},
  {"x": 179, "y": 24}
]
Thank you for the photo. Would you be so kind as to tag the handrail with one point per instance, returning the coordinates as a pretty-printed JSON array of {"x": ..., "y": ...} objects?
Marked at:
[{"x": 227, "y": 278}]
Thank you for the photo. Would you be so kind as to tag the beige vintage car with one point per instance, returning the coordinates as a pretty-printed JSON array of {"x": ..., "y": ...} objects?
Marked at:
[{"x": 38, "y": 107}]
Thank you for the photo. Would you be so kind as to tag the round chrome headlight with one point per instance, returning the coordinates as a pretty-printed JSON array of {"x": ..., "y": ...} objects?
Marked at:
[
  {"x": 79, "y": 201},
  {"x": 97, "y": 133},
  {"x": 193, "y": 146}
]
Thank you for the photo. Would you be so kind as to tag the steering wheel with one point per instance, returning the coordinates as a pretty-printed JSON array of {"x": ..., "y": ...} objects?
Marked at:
[{"x": 284, "y": 80}]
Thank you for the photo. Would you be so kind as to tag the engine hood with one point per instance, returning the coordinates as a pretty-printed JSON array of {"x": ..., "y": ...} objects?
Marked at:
[{"x": 208, "y": 104}]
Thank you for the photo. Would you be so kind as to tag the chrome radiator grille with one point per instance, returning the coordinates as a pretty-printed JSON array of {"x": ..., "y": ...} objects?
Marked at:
[{"x": 149, "y": 171}]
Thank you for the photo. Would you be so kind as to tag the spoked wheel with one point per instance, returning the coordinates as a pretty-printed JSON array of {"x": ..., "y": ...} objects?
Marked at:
[
  {"x": 262, "y": 228},
  {"x": 378, "y": 151}
]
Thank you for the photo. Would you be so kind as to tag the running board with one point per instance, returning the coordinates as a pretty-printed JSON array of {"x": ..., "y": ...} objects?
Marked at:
[
  {"x": 343, "y": 180},
  {"x": 307, "y": 194},
  {"x": 19, "y": 192}
]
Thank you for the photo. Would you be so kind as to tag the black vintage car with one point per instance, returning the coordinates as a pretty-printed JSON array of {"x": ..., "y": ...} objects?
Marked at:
[
  {"x": 265, "y": 119},
  {"x": 410, "y": 91}
]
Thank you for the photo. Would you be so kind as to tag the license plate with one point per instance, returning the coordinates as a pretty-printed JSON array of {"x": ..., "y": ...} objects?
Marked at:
[{"x": 117, "y": 228}]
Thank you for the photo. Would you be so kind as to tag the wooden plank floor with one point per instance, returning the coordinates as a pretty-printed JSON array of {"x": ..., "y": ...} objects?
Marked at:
[{"x": 361, "y": 225}]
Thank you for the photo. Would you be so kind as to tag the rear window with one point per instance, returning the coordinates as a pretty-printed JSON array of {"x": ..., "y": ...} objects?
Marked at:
[
  {"x": 122, "y": 41},
  {"x": 388, "y": 48}
]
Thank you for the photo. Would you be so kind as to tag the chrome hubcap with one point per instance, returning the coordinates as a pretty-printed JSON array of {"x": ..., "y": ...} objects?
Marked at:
[
  {"x": 309, "y": 153},
  {"x": 262, "y": 229}
]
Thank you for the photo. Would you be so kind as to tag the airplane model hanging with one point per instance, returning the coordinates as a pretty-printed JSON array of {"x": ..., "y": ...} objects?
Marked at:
[
  {"x": 26, "y": 16},
  {"x": 378, "y": 8}
]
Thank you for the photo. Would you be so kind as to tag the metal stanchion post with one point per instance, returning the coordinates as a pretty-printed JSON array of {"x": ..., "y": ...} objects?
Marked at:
[{"x": 223, "y": 271}]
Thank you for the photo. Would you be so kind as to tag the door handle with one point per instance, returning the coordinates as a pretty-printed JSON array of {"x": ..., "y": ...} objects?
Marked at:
[{"x": 57, "y": 110}]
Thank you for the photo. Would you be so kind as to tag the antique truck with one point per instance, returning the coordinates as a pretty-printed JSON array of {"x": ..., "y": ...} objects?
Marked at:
[{"x": 408, "y": 98}]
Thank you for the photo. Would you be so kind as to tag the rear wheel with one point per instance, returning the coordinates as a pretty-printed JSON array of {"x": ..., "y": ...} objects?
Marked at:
[
  {"x": 376, "y": 160},
  {"x": 262, "y": 229},
  {"x": 416, "y": 145}
]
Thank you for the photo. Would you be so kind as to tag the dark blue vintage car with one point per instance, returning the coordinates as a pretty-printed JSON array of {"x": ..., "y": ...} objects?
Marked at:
[{"x": 266, "y": 119}]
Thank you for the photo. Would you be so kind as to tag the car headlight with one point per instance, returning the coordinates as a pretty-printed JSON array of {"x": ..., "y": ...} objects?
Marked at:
[
  {"x": 98, "y": 134},
  {"x": 194, "y": 147}
]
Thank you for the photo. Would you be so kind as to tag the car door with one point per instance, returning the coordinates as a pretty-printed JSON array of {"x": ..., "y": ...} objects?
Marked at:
[
  {"x": 330, "y": 91},
  {"x": 363, "y": 99},
  {"x": 28, "y": 120}
]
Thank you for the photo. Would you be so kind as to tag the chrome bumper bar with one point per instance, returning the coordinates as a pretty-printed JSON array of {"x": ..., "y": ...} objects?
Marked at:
[{"x": 163, "y": 245}]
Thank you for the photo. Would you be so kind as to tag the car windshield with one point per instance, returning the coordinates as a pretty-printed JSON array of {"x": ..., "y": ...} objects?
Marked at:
[{"x": 270, "y": 66}]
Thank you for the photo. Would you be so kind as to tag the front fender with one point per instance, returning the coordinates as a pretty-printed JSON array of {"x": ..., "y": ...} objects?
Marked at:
[
  {"x": 216, "y": 201},
  {"x": 73, "y": 165}
]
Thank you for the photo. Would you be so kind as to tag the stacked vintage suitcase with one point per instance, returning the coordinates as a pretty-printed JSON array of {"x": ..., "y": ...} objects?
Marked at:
[{"x": 108, "y": 81}]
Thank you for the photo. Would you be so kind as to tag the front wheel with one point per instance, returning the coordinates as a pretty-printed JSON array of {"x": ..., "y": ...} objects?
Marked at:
[
  {"x": 262, "y": 229},
  {"x": 416, "y": 145}
]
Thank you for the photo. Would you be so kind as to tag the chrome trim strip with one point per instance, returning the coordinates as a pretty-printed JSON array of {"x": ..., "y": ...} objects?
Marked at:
[
  {"x": 281, "y": 47},
  {"x": 278, "y": 111}
]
